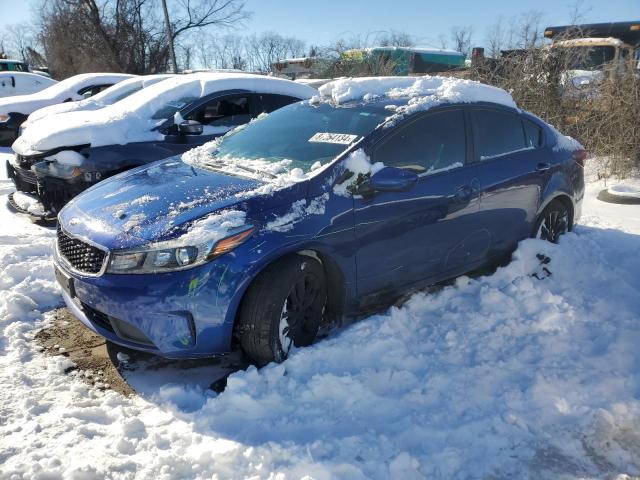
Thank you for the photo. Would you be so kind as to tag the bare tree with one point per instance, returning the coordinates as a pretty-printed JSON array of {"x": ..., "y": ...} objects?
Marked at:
[
  {"x": 528, "y": 30},
  {"x": 267, "y": 48},
  {"x": 20, "y": 39},
  {"x": 124, "y": 35},
  {"x": 395, "y": 39},
  {"x": 496, "y": 38},
  {"x": 221, "y": 51},
  {"x": 461, "y": 38},
  {"x": 578, "y": 11}
]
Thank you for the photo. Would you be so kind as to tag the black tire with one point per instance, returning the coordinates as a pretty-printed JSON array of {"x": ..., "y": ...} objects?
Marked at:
[
  {"x": 554, "y": 221},
  {"x": 293, "y": 288}
]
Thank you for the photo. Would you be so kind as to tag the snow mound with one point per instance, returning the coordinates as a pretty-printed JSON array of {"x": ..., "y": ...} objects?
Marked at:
[
  {"x": 502, "y": 376},
  {"x": 441, "y": 89},
  {"x": 627, "y": 189}
]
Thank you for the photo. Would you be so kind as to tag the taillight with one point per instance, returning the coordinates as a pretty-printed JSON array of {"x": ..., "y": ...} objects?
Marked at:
[{"x": 580, "y": 156}]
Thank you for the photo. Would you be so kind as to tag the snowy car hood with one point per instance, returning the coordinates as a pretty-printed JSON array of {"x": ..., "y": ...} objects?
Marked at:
[
  {"x": 149, "y": 203},
  {"x": 81, "y": 127},
  {"x": 24, "y": 104}
]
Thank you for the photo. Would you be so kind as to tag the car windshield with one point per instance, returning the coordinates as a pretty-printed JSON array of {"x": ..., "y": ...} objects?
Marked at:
[
  {"x": 591, "y": 58},
  {"x": 171, "y": 107},
  {"x": 117, "y": 92},
  {"x": 303, "y": 133}
]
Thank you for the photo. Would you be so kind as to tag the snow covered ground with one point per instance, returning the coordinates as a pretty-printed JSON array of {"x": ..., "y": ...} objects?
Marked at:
[{"x": 503, "y": 376}]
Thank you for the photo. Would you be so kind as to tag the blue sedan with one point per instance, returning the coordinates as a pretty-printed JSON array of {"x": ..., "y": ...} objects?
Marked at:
[{"x": 320, "y": 211}]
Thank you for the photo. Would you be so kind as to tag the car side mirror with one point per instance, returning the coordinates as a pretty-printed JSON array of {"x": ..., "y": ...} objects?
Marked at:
[
  {"x": 392, "y": 179},
  {"x": 190, "y": 127}
]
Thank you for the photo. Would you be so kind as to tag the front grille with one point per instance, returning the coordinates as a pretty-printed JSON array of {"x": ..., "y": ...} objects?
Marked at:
[{"x": 80, "y": 255}]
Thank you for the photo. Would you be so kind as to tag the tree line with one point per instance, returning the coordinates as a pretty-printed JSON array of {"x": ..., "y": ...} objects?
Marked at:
[{"x": 77, "y": 36}]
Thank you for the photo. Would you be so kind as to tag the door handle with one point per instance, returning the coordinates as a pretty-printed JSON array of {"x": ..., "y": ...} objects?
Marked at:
[{"x": 543, "y": 167}]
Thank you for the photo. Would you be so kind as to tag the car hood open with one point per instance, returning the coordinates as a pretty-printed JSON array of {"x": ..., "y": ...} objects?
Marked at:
[{"x": 156, "y": 202}]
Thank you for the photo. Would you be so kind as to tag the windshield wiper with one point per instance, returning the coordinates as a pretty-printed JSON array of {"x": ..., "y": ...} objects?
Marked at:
[{"x": 253, "y": 170}]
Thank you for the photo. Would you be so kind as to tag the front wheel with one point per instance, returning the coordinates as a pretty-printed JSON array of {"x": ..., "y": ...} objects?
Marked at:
[
  {"x": 554, "y": 222},
  {"x": 283, "y": 307}
]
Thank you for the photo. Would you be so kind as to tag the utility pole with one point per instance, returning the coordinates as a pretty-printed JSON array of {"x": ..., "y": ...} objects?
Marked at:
[{"x": 167, "y": 24}]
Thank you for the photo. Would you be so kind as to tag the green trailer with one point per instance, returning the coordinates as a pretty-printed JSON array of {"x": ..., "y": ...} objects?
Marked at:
[{"x": 410, "y": 60}]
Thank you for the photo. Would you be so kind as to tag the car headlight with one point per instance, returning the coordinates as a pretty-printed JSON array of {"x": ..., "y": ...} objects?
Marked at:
[
  {"x": 173, "y": 255},
  {"x": 4, "y": 118}
]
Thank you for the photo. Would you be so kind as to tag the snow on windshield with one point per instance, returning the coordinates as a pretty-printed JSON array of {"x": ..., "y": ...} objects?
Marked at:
[{"x": 131, "y": 121}]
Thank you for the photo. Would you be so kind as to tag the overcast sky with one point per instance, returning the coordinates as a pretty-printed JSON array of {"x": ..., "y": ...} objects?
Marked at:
[{"x": 321, "y": 21}]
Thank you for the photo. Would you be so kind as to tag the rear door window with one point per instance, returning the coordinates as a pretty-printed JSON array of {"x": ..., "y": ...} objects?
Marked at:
[
  {"x": 228, "y": 111},
  {"x": 90, "y": 91},
  {"x": 497, "y": 133},
  {"x": 533, "y": 134},
  {"x": 433, "y": 143}
]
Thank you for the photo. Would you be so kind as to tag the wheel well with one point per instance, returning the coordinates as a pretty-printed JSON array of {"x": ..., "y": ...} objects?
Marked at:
[
  {"x": 333, "y": 277},
  {"x": 568, "y": 204}
]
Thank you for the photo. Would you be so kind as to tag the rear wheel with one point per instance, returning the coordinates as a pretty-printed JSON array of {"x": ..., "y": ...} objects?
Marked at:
[
  {"x": 283, "y": 307},
  {"x": 554, "y": 222}
]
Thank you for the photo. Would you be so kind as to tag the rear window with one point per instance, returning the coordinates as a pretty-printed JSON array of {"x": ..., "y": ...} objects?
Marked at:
[{"x": 497, "y": 133}]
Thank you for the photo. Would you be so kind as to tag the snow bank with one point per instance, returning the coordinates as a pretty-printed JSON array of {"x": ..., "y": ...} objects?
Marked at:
[
  {"x": 131, "y": 121},
  {"x": 440, "y": 89},
  {"x": 503, "y": 376},
  {"x": 628, "y": 188},
  {"x": 106, "y": 97},
  {"x": 58, "y": 92}
]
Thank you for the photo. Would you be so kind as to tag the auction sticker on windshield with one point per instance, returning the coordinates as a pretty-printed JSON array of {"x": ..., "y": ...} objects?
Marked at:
[{"x": 326, "y": 137}]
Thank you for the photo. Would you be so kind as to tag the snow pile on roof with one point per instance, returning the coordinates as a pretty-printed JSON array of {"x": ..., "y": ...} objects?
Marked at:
[
  {"x": 503, "y": 376},
  {"x": 130, "y": 121},
  {"x": 58, "y": 93},
  {"x": 438, "y": 89},
  {"x": 591, "y": 41},
  {"x": 106, "y": 97}
]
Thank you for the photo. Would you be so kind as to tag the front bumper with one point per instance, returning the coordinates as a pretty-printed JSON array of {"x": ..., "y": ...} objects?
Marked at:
[
  {"x": 54, "y": 193},
  {"x": 185, "y": 314},
  {"x": 24, "y": 180}
]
